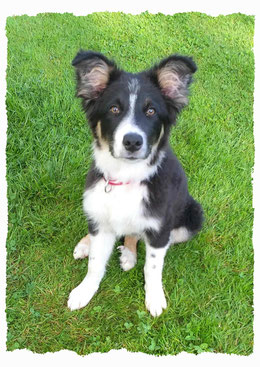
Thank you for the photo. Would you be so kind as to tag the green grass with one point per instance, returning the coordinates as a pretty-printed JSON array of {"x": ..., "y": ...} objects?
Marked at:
[{"x": 209, "y": 281}]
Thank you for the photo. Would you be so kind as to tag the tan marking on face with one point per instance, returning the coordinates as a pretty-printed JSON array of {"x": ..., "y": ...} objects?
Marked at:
[
  {"x": 161, "y": 134},
  {"x": 98, "y": 130},
  {"x": 101, "y": 141}
]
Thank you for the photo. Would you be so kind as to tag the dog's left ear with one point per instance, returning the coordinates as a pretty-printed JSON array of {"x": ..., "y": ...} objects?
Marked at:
[{"x": 174, "y": 75}]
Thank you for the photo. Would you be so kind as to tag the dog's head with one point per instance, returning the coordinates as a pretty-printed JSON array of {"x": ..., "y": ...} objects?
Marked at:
[{"x": 131, "y": 114}]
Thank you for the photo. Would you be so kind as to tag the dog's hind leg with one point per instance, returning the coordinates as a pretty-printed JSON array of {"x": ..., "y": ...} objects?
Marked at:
[
  {"x": 179, "y": 235},
  {"x": 82, "y": 248},
  {"x": 128, "y": 255},
  {"x": 189, "y": 223}
]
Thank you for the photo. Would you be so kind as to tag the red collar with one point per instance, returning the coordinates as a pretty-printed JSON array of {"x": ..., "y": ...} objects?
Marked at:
[{"x": 109, "y": 183}]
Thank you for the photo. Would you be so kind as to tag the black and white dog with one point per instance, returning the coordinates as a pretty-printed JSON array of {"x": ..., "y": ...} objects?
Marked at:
[{"x": 136, "y": 186}]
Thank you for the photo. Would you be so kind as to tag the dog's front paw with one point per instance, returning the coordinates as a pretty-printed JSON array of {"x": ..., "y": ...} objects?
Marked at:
[
  {"x": 81, "y": 250},
  {"x": 127, "y": 258},
  {"x": 80, "y": 297},
  {"x": 155, "y": 301}
]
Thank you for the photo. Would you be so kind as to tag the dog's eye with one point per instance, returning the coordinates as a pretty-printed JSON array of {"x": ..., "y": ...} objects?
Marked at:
[
  {"x": 150, "y": 112},
  {"x": 115, "y": 110}
]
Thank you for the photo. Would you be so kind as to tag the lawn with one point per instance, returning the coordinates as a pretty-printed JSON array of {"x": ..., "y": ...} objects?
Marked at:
[{"x": 208, "y": 281}]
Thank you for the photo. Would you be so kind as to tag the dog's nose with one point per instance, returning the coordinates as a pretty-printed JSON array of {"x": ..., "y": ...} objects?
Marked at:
[{"x": 132, "y": 142}]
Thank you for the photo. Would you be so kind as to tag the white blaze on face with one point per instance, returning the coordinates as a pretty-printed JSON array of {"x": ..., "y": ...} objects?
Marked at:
[{"x": 128, "y": 125}]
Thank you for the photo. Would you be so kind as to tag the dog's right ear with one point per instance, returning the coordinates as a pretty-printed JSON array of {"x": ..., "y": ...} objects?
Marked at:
[{"x": 93, "y": 72}]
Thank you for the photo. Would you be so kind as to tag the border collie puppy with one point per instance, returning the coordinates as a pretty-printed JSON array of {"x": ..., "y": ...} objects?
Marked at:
[{"x": 136, "y": 186}]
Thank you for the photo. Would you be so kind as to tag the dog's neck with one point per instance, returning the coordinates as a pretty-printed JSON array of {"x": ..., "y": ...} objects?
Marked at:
[{"x": 124, "y": 170}]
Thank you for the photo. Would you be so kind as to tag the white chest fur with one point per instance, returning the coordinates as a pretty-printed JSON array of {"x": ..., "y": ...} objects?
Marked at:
[{"x": 121, "y": 211}]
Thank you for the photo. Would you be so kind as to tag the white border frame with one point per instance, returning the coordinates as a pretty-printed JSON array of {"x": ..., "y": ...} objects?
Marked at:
[{"x": 16, "y": 7}]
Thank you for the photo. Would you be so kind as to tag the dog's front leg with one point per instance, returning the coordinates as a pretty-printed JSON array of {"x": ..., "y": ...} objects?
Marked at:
[
  {"x": 101, "y": 246},
  {"x": 154, "y": 295}
]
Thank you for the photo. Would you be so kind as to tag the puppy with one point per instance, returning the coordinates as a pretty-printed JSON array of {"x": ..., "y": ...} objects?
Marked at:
[{"x": 136, "y": 186}]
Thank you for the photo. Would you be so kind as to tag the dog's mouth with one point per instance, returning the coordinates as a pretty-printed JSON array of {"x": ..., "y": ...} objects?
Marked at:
[{"x": 132, "y": 157}]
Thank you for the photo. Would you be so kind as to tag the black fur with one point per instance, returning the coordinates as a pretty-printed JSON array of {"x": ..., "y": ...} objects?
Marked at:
[{"x": 170, "y": 199}]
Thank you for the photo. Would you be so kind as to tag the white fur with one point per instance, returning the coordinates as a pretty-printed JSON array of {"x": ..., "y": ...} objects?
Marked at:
[
  {"x": 81, "y": 250},
  {"x": 133, "y": 86},
  {"x": 127, "y": 258},
  {"x": 180, "y": 234},
  {"x": 125, "y": 170},
  {"x": 128, "y": 125},
  {"x": 154, "y": 295},
  {"x": 101, "y": 247},
  {"x": 121, "y": 211}
]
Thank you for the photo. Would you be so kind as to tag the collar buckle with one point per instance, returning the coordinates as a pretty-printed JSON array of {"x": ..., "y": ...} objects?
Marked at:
[{"x": 108, "y": 186}]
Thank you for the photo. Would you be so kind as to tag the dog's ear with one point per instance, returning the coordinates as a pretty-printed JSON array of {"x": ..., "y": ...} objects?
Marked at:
[
  {"x": 173, "y": 75},
  {"x": 93, "y": 71}
]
